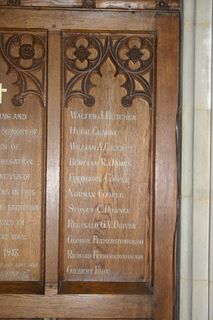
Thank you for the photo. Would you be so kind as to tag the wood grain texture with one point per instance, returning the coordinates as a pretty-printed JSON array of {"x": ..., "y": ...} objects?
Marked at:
[
  {"x": 100, "y": 4},
  {"x": 166, "y": 166},
  {"x": 53, "y": 159},
  {"x": 106, "y": 190},
  {"x": 83, "y": 287},
  {"x": 157, "y": 304},
  {"x": 87, "y": 20},
  {"x": 23, "y": 165},
  {"x": 22, "y": 287},
  {"x": 63, "y": 306}
]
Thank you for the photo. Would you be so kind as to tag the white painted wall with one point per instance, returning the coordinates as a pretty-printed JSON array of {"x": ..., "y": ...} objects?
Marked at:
[{"x": 196, "y": 272}]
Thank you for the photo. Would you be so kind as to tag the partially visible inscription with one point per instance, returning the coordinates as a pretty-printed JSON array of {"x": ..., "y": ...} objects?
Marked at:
[
  {"x": 103, "y": 116},
  {"x": 18, "y": 192},
  {"x": 89, "y": 149},
  {"x": 102, "y": 162},
  {"x": 12, "y": 236},
  {"x": 96, "y": 240},
  {"x": 20, "y": 197},
  {"x": 96, "y": 255},
  {"x": 20, "y": 132},
  {"x": 19, "y": 208},
  {"x": 22, "y": 153},
  {"x": 82, "y": 271},
  {"x": 15, "y": 176},
  {"x": 106, "y": 157},
  {"x": 95, "y": 131},
  {"x": 100, "y": 209},
  {"x": 101, "y": 147},
  {"x": 8, "y": 146},
  {"x": 103, "y": 224},
  {"x": 94, "y": 194},
  {"x": 13, "y": 116},
  {"x": 15, "y": 162},
  {"x": 10, "y": 222},
  {"x": 96, "y": 179}
]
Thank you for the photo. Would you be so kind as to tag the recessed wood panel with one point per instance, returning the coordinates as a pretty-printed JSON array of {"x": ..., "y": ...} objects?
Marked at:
[
  {"x": 22, "y": 157},
  {"x": 107, "y": 158}
]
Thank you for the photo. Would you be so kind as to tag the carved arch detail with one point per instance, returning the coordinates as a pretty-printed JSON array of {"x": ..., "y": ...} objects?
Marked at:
[
  {"x": 162, "y": 4},
  {"x": 25, "y": 55},
  {"x": 90, "y": 4},
  {"x": 14, "y": 3},
  {"x": 132, "y": 57}
]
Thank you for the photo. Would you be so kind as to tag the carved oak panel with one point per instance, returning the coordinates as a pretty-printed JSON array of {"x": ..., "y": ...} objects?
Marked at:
[
  {"x": 22, "y": 160},
  {"x": 107, "y": 157}
]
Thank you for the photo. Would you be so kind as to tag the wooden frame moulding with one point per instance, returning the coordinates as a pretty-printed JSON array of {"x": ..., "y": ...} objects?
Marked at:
[{"x": 169, "y": 5}]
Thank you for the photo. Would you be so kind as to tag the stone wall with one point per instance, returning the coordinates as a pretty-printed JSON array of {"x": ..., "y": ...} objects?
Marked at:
[{"x": 196, "y": 269}]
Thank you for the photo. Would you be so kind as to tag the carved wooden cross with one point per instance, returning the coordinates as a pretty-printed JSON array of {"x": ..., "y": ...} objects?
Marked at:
[{"x": 2, "y": 90}]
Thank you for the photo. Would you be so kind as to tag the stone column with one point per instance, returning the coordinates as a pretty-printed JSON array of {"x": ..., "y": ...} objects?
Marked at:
[{"x": 196, "y": 296}]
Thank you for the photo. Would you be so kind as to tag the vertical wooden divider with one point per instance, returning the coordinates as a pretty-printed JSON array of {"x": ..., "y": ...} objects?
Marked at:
[
  {"x": 166, "y": 165},
  {"x": 53, "y": 159}
]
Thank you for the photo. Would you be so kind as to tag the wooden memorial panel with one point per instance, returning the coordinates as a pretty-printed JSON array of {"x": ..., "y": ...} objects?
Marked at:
[
  {"x": 22, "y": 160},
  {"x": 107, "y": 159},
  {"x": 111, "y": 172}
]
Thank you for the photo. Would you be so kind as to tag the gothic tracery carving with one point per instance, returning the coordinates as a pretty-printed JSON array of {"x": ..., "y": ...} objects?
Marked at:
[
  {"x": 162, "y": 4},
  {"x": 132, "y": 56},
  {"x": 14, "y": 3},
  {"x": 90, "y": 4},
  {"x": 24, "y": 54}
]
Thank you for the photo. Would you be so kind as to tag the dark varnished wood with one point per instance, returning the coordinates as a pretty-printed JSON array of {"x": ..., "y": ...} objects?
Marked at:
[
  {"x": 32, "y": 287},
  {"x": 104, "y": 288},
  {"x": 166, "y": 166},
  {"x": 115, "y": 300},
  {"x": 53, "y": 161},
  {"x": 52, "y": 305}
]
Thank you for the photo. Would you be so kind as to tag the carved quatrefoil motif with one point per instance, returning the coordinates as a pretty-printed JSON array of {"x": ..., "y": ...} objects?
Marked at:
[
  {"x": 14, "y": 2},
  {"x": 26, "y": 51},
  {"x": 89, "y": 4},
  {"x": 82, "y": 53},
  {"x": 25, "y": 55},
  {"x": 132, "y": 56},
  {"x": 162, "y": 4}
]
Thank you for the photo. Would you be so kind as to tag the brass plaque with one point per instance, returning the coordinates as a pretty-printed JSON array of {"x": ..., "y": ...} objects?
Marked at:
[
  {"x": 107, "y": 157},
  {"x": 22, "y": 155}
]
